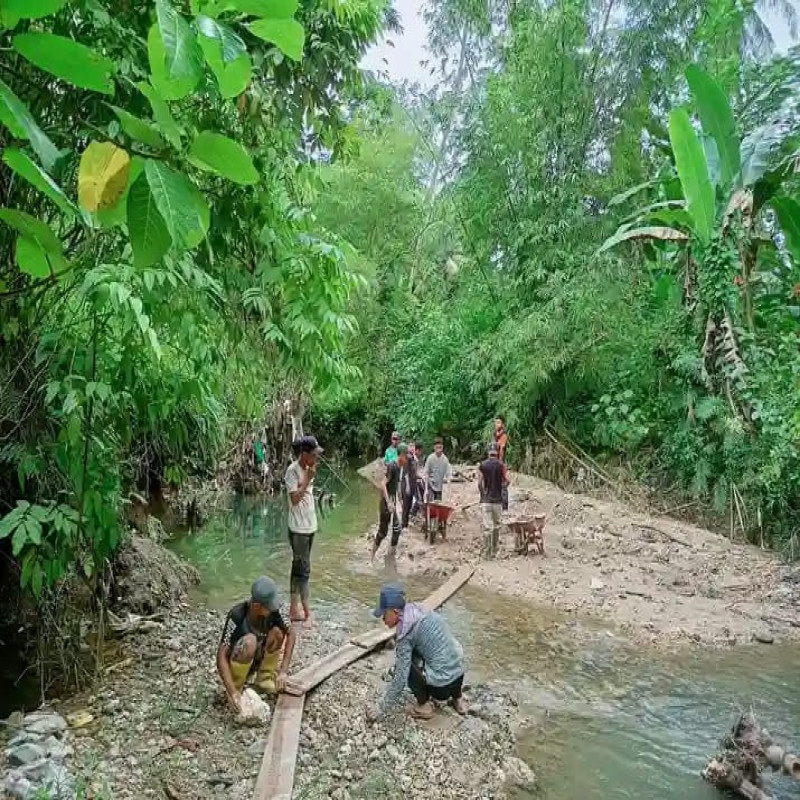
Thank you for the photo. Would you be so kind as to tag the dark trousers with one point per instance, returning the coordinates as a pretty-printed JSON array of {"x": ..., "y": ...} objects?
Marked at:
[
  {"x": 424, "y": 692},
  {"x": 301, "y": 563},
  {"x": 504, "y": 498},
  {"x": 387, "y": 516},
  {"x": 408, "y": 502}
]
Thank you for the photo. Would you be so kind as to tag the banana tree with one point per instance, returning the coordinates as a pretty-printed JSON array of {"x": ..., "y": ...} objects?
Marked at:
[{"x": 716, "y": 220}]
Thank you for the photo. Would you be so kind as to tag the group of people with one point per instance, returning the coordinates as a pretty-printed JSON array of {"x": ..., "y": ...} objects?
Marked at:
[{"x": 257, "y": 642}]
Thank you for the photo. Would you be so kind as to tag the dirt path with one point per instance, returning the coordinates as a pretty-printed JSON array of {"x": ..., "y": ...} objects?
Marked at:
[{"x": 660, "y": 580}]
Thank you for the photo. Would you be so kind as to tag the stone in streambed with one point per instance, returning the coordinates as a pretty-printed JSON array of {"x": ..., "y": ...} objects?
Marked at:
[
  {"x": 44, "y": 723},
  {"x": 257, "y": 748},
  {"x": 25, "y": 753},
  {"x": 56, "y": 749},
  {"x": 519, "y": 774},
  {"x": 18, "y": 786}
]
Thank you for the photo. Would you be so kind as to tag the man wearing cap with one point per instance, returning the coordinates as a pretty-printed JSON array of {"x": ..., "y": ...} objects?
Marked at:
[
  {"x": 388, "y": 504},
  {"x": 492, "y": 475},
  {"x": 429, "y": 660},
  {"x": 251, "y": 643},
  {"x": 299, "y": 480},
  {"x": 390, "y": 456}
]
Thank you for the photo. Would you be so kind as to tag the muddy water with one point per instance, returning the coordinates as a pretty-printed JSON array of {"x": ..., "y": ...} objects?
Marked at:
[{"x": 606, "y": 721}]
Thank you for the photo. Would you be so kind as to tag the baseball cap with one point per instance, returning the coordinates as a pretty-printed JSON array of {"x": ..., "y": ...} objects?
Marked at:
[
  {"x": 392, "y": 597},
  {"x": 493, "y": 449},
  {"x": 265, "y": 592},
  {"x": 309, "y": 444}
]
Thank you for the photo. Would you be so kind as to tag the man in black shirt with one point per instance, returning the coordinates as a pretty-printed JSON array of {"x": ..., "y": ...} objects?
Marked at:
[
  {"x": 491, "y": 477},
  {"x": 388, "y": 505},
  {"x": 255, "y": 632},
  {"x": 408, "y": 484}
]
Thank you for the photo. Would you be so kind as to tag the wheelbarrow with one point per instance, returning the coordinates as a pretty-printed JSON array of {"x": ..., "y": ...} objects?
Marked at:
[
  {"x": 439, "y": 513},
  {"x": 528, "y": 532}
]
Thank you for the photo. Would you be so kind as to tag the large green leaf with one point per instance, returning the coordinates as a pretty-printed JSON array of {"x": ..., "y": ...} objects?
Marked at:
[
  {"x": 788, "y": 211},
  {"x": 287, "y": 34},
  {"x": 717, "y": 118},
  {"x": 161, "y": 114},
  {"x": 168, "y": 88},
  {"x": 274, "y": 9},
  {"x": 758, "y": 149},
  {"x": 16, "y": 117},
  {"x": 229, "y": 45},
  {"x": 233, "y": 78},
  {"x": 138, "y": 129},
  {"x": 149, "y": 235},
  {"x": 31, "y": 228},
  {"x": 34, "y": 260},
  {"x": 72, "y": 62},
  {"x": 183, "y": 58},
  {"x": 183, "y": 207},
  {"x": 28, "y": 169},
  {"x": 693, "y": 172},
  {"x": 216, "y": 153},
  {"x": 649, "y": 232},
  {"x": 12, "y": 11},
  {"x": 622, "y": 197}
]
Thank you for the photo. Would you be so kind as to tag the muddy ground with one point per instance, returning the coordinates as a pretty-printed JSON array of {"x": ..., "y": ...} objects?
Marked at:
[{"x": 660, "y": 580}]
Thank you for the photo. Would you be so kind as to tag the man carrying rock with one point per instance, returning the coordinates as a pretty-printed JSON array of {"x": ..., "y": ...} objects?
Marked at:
[
  {"x": 388, "y": 510},
  {"x": 491, "y": 479},
  {"x": 254, "y": 635},
  {"x": 429, "y": 660},
  {"x": 299, "y": 480}
]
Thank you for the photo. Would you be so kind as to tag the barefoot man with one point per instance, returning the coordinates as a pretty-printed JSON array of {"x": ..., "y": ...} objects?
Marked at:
[
  {"x": 428, "y": 658},
  {"x": 299, "y": 480},
  {"x": 252, "y": 639}
]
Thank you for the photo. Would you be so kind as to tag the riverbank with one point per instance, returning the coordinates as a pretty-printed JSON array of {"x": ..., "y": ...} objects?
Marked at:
[
  {"x": 157, "y": 725},
  {"x": 659, "y": 580}
]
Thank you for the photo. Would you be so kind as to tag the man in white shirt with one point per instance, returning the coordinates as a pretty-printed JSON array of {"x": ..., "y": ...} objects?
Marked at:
[{"x": 299, "y": 480}]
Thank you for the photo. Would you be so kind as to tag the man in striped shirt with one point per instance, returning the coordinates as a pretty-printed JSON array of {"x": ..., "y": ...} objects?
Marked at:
[{"x": 428, "y": 658}]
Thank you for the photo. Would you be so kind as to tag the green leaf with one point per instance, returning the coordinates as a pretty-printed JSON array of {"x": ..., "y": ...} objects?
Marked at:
[
  {"x": 16, "y": 117},
  {"x": 758, "y": 149},
  {"x": 138, "y": 129},
  {"x": 233, "y": 78},
  {"x": 31, "y": 228},
  {"x": 216, "y": 153},
  {"x": 229, "y": 45},
  {"x": 693, "y": 172},
  {"x": 150, "y": 238},
  {"x": 12, "y": 11},
  {"x": 19, "y": 540},
  {"x": 34, "y": 260},
  {"x": 161, "y": 114},
  {"x": 788, "y": 211},
  {"x": 620, "y": 198},
  {"x": 287, "y": 34},
  {"x": 26, "y": 168},
  {"x": 72, "y": 62},
  {"x": 183, "y": 58},
  {"x": 168, "y": 88},
  {"x": 648, "y": 232},
  {"x": 717, "y": 118},
  {"x": 274, "y": 9},
  {"x": 183, "y": 207}
]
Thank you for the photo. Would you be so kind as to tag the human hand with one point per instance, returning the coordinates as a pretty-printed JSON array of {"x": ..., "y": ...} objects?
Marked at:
[
  {"x": 235, "y": 700},
  {"x": 280, "y": 681}
]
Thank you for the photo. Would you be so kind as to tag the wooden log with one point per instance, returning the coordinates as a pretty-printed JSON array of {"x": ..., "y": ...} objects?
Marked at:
[{"x": 276, "y": 777}]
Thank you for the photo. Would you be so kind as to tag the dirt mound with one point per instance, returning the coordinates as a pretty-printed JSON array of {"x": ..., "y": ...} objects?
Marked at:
[{"x": 148, "y": 577}]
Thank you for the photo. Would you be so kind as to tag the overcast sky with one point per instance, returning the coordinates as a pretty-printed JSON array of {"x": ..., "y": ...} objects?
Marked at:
[{"x": 403, "y": 60}]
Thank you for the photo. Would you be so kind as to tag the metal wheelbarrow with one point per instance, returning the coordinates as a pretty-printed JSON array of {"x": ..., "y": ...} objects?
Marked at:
[
  {"x": 528, "y": 531},
  {"x": 438, "y": 513}
]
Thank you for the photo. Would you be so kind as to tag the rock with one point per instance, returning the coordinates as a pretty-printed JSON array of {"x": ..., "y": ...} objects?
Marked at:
[
  {"x": 56, "y": 749},
  {"x": 45, "y": 723},
  {"x": 597, "y": 584},
  {"x": 519, "y": 774},
  {"x": 258, "y": 747},
  {"x": 79, "y": 719},
  {"x": 25, "y": 754},
  {"x": 774, "y": 756},
  {"x": 53, "y": 777},
  {"x": 764, "y": 637},
  {"x": 18, "y": 786},
  {"x": 15, "y": 719}
]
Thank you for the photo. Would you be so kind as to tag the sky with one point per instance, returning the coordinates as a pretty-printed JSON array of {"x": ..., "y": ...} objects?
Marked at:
[{"x": 402, "y": 61}]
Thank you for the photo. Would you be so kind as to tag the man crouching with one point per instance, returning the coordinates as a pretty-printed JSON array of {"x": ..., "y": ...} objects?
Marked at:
[
  {"x": 255, "y": 632},
  {"x": 428, "y": 657}
]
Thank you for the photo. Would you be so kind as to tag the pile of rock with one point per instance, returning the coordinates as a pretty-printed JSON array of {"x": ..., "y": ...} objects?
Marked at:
[{"x": 35, "y": 757}]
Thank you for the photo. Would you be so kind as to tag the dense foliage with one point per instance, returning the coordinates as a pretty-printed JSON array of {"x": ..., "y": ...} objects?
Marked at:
[
  {"x": 162, "y": 279},
  {"x": 488, "y": 207}
]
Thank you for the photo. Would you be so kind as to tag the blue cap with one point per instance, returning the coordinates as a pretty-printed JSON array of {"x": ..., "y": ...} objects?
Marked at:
[{"x": 392, "y": 597}]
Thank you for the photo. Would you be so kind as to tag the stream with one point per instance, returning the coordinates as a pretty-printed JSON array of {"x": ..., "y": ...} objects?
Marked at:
[{"x": 606, "y": 720}]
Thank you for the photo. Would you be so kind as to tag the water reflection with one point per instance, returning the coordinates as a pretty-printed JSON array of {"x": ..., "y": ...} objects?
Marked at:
[{"x": 606, "y": 720}]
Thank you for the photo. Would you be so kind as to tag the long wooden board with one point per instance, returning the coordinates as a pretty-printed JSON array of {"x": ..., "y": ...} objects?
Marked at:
[{"x": 276, "y": 777}]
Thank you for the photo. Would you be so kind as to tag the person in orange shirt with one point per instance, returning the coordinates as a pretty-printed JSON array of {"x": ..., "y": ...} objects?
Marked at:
[{"x": 501, "y": 440}]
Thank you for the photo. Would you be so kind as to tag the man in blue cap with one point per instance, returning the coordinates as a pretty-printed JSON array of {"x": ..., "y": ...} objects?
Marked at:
[
  {"x": 428, "y": 658},
  {"x": 255, "y": 632}
]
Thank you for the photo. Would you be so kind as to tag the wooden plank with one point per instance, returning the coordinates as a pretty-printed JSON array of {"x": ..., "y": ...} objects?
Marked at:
[{"x": 276, "y": 777}]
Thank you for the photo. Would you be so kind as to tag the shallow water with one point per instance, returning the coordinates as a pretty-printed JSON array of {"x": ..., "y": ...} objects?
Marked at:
[{"x": 607, "y": 721}]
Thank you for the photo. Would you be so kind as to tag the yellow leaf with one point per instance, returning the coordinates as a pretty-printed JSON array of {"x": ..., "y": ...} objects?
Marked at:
[
  {"x": 102, "y": 176},
  {"x": 79, "y": 719}
]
